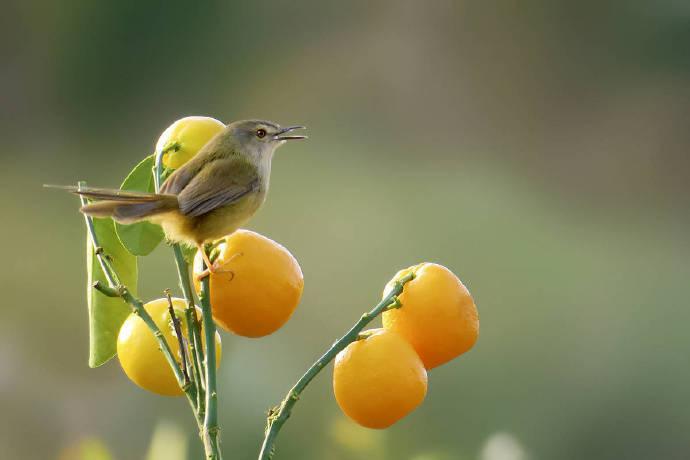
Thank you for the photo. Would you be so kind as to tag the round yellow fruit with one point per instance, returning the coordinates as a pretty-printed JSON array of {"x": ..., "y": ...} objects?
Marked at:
[
  {"x": 139, "y": 354},
  {"x": 184, "y": 138},
  {"x": 256, "y": 284},
  {"x": 379, "y": 379},
  {"x": 438, "y": 315}
]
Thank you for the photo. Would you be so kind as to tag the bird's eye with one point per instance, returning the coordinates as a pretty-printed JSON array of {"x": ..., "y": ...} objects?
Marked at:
[{"x": 260, "y": 133}]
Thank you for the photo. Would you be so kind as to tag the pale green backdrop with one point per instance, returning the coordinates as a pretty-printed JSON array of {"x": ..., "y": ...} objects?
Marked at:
[{"x": 539, "y": 149}]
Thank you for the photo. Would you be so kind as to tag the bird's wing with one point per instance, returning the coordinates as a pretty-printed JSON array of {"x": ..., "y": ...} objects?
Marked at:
[
  {"x": 178, "y": 180},
  {"x": 184, "y": 175},
  {"x": 219, "y": 183}
]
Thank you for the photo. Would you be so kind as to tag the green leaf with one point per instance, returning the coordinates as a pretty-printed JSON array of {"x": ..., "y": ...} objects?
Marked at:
[
  {"x": 143, "y": 237},
  {"x": 140, "y": 239},
  {"x": 106, "y": 314}
]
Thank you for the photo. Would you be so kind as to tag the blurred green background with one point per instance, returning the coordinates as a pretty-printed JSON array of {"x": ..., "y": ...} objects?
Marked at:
[{"x": 538, "y": 149}]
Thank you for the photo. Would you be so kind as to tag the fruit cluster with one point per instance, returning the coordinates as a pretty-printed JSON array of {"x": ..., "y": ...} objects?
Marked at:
[
  {"x": 382, "y": 377},
  {"x": 255, "y": 287}
]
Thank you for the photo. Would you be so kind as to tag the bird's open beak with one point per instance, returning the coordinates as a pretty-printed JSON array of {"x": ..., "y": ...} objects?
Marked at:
[{"x": 280, "y": 137}]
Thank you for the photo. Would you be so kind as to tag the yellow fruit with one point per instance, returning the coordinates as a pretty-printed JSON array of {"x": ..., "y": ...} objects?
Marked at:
[
  {"x": 256, "y": 286},
  {"x": 438, "y": 316},
  {"x": 139, "y": 354},
  {"x": 187, "y": 135},
  {"x": 379, "y": 379}
]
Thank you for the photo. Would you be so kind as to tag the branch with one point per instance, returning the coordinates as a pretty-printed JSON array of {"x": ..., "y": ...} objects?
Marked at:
[
  {"x": 180, "y": 337},
  {"x": 205, "y": 378},
  {"x": 279, "y": 415},
  {"x": 193, "y": 326},
  {"x": 115, "y": 286},
  {"x": 193, "y": 336},
  {"x": 210, "y": 428},
  {"x": 105, "y": 290}
]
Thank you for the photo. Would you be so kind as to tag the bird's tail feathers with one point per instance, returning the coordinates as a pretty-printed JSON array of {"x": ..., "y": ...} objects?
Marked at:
[
  {"x": 124, "y": 206},
  {"x": 129, "y": 212},
  {"x": 94, "y": 193}
]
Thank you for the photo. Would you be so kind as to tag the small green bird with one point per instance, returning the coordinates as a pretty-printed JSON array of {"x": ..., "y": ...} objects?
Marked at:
[{"x": 211, "y": 195}]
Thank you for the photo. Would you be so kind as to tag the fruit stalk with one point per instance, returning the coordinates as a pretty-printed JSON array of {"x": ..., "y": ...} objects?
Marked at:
[
  {"x": 210, "y": 428},
  {"x": 137, "y": 305},
  {"x": 279, "y": 415}
]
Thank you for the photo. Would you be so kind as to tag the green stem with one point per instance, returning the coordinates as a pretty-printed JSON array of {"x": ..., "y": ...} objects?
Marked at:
[
  {"x": 279, "y": 415},
  {"x": 158, "y": 164},
  {"x": 206, "y": 410},
  {"x": 137, "y": 305},
  {"x": 180, "y": 338},
  {"x": 193, "y": 335},
  {"x": 210, "y": 428},
  {"x": 105, "y": 290}
]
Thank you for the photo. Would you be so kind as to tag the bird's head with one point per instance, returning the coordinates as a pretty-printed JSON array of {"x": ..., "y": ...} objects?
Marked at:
[{"x": 260, "y": 138}]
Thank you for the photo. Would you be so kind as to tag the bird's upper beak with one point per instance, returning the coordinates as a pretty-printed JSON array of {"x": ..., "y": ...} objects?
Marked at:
[{"x": 279, "y": 136}]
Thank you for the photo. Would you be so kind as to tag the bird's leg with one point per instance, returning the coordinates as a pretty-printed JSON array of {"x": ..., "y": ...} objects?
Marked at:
[
  {"x": 208, "y": 271},
  {"x": 207, "y": 261},
  {"x": 203, "y": 275}
]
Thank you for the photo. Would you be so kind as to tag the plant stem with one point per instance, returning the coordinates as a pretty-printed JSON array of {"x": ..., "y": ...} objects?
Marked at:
[
  {"x": 136, "y": 304},
  {"x": 205, "y": 377},
  {"x": 180, "y": 338},
  {"x": 158, "y": 165},
  {"x": 193, "y": 335},
  {"x": 210, "y": 428},
  {"x": 279, "y": 415}
]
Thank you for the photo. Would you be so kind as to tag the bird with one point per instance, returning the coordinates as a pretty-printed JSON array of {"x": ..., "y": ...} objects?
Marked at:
[{"x": 209, "y": 197}]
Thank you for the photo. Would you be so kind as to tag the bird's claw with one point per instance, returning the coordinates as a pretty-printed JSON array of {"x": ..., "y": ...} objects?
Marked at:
[{"x": 214, "y": 271}]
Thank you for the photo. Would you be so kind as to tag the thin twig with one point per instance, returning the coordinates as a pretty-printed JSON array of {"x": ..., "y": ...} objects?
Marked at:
[
  {"x": 193, "y": 325},
  {"x": 180, "y": 337},
  {"x": 279, "y": 415},
  {"x": 205, "y": 380},
  {"x": 115, "y": 285},
  {"x": 105, "y": 290},
  {"x": 210, "y": 429}
]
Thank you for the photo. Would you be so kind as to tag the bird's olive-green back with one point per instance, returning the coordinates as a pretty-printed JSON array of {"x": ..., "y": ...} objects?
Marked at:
[{"x": 217, "y": 176}]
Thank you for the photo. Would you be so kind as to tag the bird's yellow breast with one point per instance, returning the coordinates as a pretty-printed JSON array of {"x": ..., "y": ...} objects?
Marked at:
[{"x": 212, "y": 225}]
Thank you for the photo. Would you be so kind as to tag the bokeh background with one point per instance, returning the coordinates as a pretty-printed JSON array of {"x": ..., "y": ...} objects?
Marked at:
[{"x": 539, "y": 149}]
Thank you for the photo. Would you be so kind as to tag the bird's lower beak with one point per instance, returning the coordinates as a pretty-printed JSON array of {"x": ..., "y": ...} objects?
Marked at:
[{"x": 279, "y": 136}]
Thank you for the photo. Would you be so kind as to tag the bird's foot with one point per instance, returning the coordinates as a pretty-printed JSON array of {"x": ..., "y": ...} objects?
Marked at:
[
  {"x": 211, "y": 268},
  {"x": 214, "y": 271}
]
